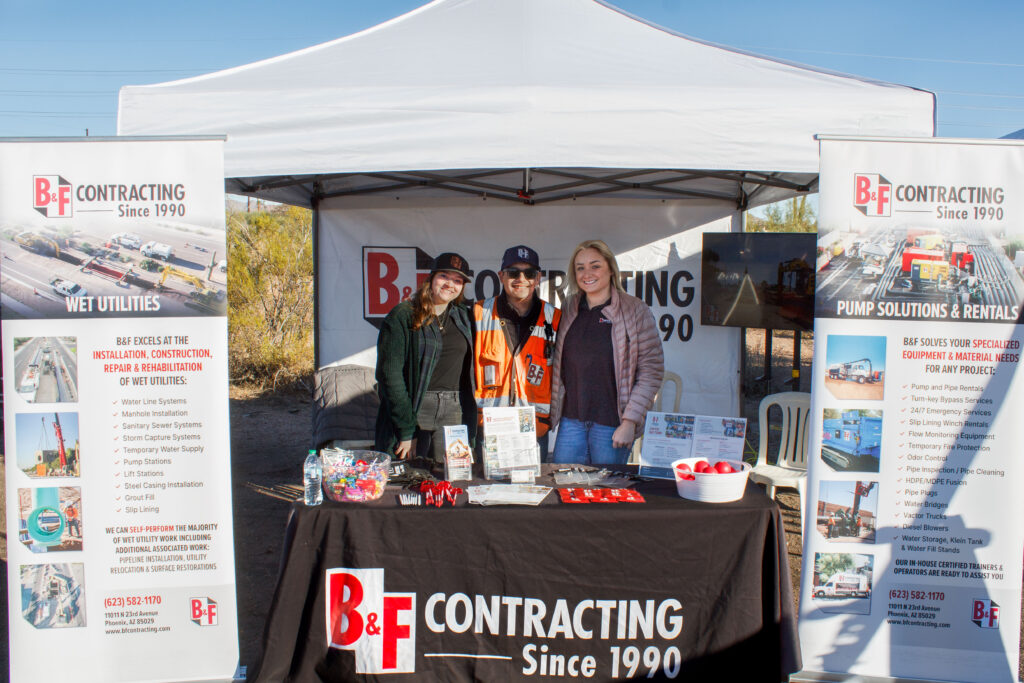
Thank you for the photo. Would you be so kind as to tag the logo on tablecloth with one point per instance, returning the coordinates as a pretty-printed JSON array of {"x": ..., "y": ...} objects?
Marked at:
[
  {"x": 872, "y": 194},
  {"x": 204, "y": 611},
  {"x": 51, "y": 196},
  {"x": 379, "y": 627},
  {"x": 985, "y": 613}
]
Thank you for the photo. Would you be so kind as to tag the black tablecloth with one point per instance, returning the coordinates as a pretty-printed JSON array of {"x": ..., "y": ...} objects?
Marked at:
[{"x": 482, "y": 575}]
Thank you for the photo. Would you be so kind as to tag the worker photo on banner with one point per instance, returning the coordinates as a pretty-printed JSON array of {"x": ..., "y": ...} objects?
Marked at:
[
  {"x": 856, "y": 366},
  {"x": 851, "y": 439},
  {"x": 847, "y": 510},
  {"x": 50, "y": 518},
  {"x": 46, "y": 444}
]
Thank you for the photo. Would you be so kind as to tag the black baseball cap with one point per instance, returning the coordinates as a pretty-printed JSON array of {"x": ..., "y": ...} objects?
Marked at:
[
  {"x": 520, "y": 254},
  {"x": 453, "y": 263}
]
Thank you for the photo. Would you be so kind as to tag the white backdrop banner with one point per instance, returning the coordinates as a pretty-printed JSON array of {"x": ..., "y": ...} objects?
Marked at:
[
  {"x": 913, "y": 543},
  {"x": 116, "y": 436},
  {"x": 371, "y": 253}
]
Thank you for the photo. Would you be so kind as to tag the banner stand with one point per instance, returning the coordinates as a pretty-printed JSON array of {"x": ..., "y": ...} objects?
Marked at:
[
  {"x": 117, "y": 431},
  {"x": 913, "y": 535}
]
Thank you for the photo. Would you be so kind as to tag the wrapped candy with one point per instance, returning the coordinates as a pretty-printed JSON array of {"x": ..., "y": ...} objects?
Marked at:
[{"x": 354, "y": 476}]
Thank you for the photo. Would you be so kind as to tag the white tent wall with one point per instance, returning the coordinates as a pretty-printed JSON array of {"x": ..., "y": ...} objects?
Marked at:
[{"x": 658, "y": 242}]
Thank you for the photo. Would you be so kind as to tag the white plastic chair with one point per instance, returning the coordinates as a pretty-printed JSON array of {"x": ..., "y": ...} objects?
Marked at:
[
  {"x": 677, "y": 387},
  {"x": 790, "y": 469}
]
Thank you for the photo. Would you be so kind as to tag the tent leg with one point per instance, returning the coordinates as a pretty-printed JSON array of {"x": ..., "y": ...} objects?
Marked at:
[{"x": 317, "y": 191}]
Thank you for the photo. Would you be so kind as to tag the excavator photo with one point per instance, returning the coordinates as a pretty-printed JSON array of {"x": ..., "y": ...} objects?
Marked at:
[
  {"x": 37, "y": 243},
  {"x": 201, "y": 294}
]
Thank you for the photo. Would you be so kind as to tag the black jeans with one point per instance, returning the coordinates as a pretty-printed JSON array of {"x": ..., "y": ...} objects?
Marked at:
[{"x": 438, "y": 410}]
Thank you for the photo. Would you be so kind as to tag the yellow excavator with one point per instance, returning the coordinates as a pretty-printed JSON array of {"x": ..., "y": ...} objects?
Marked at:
[
  {"x": 37, "y": 243},
  {"x": 168, "y": 271},
  {"x": 202, "y": 293}
]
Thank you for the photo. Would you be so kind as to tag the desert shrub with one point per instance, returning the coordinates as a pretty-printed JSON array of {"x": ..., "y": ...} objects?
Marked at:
[{"x": 270, "y": 297}]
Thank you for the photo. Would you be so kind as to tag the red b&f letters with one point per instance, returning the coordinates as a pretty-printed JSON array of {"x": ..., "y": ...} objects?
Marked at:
[{"x": 379, "y": 627}]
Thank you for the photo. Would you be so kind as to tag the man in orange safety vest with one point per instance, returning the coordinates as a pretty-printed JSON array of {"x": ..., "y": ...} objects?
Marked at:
[{"x": 514, "y": 342}]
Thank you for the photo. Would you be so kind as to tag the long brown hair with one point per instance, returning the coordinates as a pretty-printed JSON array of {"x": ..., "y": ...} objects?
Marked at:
[
  {"x": 423, "y": 306},
  {"x": 609, "y": 257}
]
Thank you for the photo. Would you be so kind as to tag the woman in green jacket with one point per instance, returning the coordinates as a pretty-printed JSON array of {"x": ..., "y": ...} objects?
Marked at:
[{"x": 425, "y": 366}]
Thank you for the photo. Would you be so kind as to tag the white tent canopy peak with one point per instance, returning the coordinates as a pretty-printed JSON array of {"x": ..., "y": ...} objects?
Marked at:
[{"x": 498, "y": 85}]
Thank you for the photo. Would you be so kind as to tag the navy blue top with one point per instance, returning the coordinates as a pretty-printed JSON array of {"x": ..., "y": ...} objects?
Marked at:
[{"x": 588, "y": 368}]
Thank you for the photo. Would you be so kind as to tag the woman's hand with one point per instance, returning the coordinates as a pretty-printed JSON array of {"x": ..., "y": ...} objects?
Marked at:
[
  {"x": 404, "y": 449},
  {"x": 623, "y": 434}
]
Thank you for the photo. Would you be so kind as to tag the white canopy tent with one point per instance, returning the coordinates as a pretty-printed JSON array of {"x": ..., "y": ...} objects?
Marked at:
[{"x": 548, "y": 104}]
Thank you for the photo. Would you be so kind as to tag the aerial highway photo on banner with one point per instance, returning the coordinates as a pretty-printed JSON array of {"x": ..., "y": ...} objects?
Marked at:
[
  {"x": 173, "y": 271},
  {"x": 46, "y": 369},
  {"x": 918, "y": 273}
]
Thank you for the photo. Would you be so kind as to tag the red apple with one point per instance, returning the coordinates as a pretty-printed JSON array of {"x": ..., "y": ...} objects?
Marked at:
[
  {"x": 701, "y": 466},
  {"x": 684, "y": 471},
  {"x": 722, "y": 467}
]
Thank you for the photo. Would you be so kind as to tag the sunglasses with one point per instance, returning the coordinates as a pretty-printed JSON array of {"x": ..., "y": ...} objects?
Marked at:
[{"x": 514, "y": 273}]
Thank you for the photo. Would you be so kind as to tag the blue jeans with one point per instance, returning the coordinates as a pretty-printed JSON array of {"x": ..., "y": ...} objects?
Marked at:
[{"x": 587, "y": 443}]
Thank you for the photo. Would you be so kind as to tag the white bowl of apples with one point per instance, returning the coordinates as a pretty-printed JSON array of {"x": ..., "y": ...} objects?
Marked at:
[{"x": 716, "y": 481}]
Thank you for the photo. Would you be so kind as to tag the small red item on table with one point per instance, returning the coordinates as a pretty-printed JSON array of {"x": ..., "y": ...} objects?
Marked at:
[
  {"x": 437, "y": 492},
  {"x": 598, "y": 495}
]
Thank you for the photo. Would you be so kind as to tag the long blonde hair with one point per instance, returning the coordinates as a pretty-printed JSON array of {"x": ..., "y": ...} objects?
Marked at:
[{"x": 601, "y": 248}]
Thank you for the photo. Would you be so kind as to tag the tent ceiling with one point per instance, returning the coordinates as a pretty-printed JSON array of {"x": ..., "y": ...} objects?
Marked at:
[
  {"x": 532, "y": 186},
  {"x": 587, "y": 97}
]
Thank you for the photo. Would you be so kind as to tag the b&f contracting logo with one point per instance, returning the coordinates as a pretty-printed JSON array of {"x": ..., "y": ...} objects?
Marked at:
[
  {"x": 204, "y": 611},
  {"x": 391, "y": 275},
  {"x": 872, "y": 194},
  {"x": 51, "y": 196},
  {"x": 985, "y": 613},
  {"x": 379, "y": 627}
]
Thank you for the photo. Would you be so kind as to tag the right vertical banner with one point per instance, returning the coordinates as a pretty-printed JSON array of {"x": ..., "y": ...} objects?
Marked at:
[{"x": 913, "y": 540}]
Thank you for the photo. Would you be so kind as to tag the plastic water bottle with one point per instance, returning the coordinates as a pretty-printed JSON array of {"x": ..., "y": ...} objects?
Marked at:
[{"x": 312, "y": 477}]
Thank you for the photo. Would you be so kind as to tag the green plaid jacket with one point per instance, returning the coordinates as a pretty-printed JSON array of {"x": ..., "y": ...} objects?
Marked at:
[{"x": 406, "y": 360}]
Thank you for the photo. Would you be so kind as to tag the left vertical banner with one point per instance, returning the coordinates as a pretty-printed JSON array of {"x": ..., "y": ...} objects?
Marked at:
[{"x": 116, "y": 432}]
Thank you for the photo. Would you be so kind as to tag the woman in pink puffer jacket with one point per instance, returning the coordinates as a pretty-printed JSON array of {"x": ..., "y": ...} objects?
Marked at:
[{"x": 608, "y": 362}]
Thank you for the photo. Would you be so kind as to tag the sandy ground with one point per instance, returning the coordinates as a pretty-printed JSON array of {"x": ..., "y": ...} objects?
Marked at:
[
  {"x": 845, "y": 389},
  {"x": 269, "y": 438}
]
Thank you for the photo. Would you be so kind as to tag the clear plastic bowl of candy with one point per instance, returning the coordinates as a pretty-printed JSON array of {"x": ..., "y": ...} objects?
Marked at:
[{"x": 354, "y": 476}]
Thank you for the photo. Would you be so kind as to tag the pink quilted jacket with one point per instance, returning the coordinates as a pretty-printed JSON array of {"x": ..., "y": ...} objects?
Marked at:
[{"x": 639, "y": 360}]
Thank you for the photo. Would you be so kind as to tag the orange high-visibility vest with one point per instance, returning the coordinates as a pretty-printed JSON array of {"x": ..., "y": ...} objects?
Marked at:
[{"x": 496, "y": 370}]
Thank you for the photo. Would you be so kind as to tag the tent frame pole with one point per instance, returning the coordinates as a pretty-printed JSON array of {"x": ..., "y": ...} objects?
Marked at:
[{"x": 316, "y": 197}]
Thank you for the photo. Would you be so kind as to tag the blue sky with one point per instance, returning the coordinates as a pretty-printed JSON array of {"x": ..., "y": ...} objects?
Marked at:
[
  {"x": 35, "y": 431},
  {"x": 845, "y": 348},
  {"x": 841, "y": 493},
  {"x": 61, "y": 63}
]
